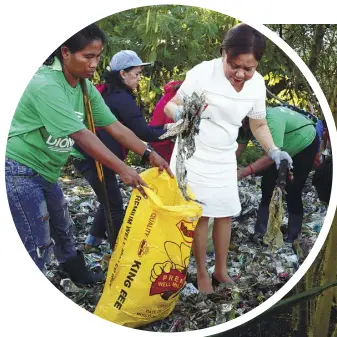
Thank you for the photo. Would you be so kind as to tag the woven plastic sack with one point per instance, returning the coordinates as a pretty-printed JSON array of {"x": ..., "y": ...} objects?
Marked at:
[{"x": 148, "y": 268}]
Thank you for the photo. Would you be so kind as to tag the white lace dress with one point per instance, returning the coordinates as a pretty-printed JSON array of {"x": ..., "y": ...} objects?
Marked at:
[{"x": 212, "y": 170}]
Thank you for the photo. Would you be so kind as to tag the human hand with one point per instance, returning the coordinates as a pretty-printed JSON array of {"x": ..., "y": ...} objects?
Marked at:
[
  {"x": 241, "y": 173},
  {"x": 277, "y": 155},
  {"x": 130, "y": 177},
  {"x": 156, "y": 160}
]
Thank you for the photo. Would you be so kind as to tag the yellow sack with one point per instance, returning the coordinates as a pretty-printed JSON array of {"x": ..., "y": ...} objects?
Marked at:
[{"x": 148, "y": 267}]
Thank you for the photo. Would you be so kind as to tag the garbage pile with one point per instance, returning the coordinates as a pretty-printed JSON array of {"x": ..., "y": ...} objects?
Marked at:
[{"x": 258, "y": 271}]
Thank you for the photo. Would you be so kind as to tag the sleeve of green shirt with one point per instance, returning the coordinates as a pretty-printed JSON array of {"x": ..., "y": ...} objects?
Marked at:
[
  {"x": 56, "y": 113},
  {"x": 101, "y": 112},
  {"x": 277, "y": 129}
]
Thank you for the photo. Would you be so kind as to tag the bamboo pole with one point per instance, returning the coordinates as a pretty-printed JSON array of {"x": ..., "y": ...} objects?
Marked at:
[
  {"x": 324, "y": 301},
  {"x": 312, "y": 280},
  {"x": 99, "y": 168},
  {"x": 296, "y": 313}
]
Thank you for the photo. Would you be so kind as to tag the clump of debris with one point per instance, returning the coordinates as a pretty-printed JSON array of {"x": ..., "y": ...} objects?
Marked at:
[{"x": 259, "y": 272}]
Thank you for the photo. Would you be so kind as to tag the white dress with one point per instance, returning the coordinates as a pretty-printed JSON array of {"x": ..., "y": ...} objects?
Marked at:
[{"x": 212, "y": 170}]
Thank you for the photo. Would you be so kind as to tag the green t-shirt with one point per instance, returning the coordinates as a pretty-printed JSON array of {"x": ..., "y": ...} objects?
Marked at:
[
  {"x": 282, "y": 121},
  {"x": 48, "y": 111}
]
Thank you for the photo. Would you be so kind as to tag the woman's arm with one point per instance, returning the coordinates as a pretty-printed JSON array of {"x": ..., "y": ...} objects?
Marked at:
[
  {"x": 262, "y": 134},
  {"x": 129, "y": 140},
  {"x": 131, "y": 116},
  {"x": 172, "y": 108}
]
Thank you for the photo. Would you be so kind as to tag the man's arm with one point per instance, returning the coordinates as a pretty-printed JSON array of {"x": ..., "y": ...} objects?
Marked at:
[
  {"x": 259, "y": 165},
  {"x": 129, "y": 140},
  {"x": 92, "y": 145},
  {"x": 240, "y": 149}
]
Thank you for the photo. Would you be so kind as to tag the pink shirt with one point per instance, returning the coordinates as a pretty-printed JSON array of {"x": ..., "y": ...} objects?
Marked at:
[{"x": 164, "y": 148}]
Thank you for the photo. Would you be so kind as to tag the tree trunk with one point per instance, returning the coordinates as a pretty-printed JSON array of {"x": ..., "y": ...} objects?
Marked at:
[
  {"x": 324, "y": 301},
  {"x": 333, "y": 104},
  {"x": 316, "y": 47}
]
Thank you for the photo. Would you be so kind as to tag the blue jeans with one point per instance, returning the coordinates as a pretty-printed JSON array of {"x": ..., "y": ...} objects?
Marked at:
[{"x": 40, "y": 214}]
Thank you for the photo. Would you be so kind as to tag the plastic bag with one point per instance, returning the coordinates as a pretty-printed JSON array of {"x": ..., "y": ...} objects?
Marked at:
[{"x": 148, "y": 268}]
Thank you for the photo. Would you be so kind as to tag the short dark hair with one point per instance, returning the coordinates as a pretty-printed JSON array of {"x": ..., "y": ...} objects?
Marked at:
[
  {"x": 243, "y": 39},
  {"x": 79, "y": 41}
]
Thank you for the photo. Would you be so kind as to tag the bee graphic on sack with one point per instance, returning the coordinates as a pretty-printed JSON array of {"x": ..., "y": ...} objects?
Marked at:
[
  {"x": 168, "y": 277},
  {"x": 143, "y": 248},
  {"x": 186, "y": 229}
]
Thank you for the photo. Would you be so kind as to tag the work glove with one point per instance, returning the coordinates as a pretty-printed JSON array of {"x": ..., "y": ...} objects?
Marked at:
[
  {"x": 177, "y": 113},
  {"x": 277, "y": 155}
]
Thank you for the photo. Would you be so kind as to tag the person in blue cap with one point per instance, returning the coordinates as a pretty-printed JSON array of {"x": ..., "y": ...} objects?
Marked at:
[{"x": 118, "y": 93}]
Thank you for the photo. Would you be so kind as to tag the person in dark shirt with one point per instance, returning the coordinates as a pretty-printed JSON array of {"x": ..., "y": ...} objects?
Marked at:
[{"x": 118, "y": 93}]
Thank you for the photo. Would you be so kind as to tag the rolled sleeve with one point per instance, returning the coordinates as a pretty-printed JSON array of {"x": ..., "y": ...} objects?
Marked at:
[{"x": 259, "y": 109}]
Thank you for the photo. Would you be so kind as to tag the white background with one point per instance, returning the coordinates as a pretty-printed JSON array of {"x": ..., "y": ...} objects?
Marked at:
[{"x": 30, "y": 31}]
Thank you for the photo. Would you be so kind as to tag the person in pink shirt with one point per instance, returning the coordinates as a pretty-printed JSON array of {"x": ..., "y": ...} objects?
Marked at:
[{"x": 164, "y": 148}]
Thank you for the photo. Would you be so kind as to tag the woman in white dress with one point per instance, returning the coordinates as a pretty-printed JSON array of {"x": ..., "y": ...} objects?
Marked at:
[{"x": 233, "y": 90}]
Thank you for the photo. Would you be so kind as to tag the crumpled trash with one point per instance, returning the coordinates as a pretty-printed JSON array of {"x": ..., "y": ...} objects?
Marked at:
[
  {"x": 189, "y": 289},
  {"x": 258, "y": 272},
  {"x": 93, "y": 260},
  {"x": 69, "y": 286},
  {"x": 90, "y": 219}
]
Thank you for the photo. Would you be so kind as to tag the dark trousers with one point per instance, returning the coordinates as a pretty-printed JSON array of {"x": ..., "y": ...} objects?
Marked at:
[
  {"x": 87, "y": 168},
  {"x": 303, "y": 164}
]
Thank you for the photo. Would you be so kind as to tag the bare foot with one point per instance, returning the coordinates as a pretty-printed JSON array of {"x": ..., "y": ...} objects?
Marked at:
[
  {"x": 223, "y": 278},
  {"x": 205, "y": 284}
]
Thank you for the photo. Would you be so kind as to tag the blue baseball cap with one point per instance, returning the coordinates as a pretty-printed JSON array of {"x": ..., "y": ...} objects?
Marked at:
[{"x": 125, "y": 59}]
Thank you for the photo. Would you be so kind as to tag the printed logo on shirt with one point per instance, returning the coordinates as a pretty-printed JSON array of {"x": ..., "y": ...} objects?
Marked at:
[
  {"x": 80, "y": 115},
  {"x": 62, "y": 144}
]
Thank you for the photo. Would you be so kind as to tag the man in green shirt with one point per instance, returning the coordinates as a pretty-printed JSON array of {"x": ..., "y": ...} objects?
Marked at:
[
  {"x": 47, "y": 122},
  {"x": 294, "y": 133},
  {"x": 39, "y": 133}
]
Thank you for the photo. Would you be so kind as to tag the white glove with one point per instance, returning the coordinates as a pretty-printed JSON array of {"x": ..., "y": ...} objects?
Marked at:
[
  {"x": 277, "y": 155},
  {"x": 177, "y": 113}
]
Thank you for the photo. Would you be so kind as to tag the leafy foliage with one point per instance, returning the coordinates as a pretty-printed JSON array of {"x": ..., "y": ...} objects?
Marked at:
[{"x": 176, "y": 38}]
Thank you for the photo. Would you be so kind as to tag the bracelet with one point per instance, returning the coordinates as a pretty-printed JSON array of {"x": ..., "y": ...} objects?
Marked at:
[{"x": 251, "y": 170}]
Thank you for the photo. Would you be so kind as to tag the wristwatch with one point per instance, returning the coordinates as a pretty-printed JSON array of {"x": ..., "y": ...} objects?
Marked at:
[{"x": 146, "y": 154}]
